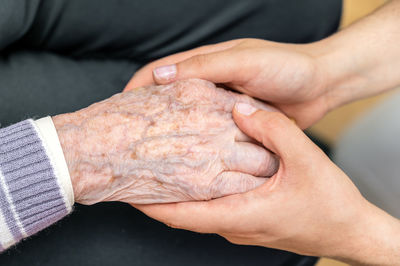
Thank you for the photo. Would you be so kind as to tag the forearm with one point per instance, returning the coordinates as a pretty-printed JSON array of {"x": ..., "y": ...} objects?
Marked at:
[
  {"x": 373, "y": 239},
  {"x": 363, "y": 59}
]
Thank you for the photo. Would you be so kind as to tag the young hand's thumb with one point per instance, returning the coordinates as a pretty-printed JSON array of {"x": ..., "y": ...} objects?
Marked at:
[
  {"x": 273, "y": 129},
  {"x": 212, "y": 67}
]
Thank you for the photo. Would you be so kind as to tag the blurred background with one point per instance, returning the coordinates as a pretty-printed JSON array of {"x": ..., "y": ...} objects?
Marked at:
[{"x": 329, "y": 129}]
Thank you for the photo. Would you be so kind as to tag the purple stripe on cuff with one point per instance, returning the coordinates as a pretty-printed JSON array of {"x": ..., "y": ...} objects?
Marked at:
[
  {"x": 35, "y": 191},
  {"x": 8, "y": 147},
  {"x": 52, "y": 217},
  {"x": 28, "y": 149},
  {"x": 18, "y": 163},
  {"x": 30, "y": 181},
  {"x": 25, "y": 172},
  {"x": 47, "y": 206},
  {"x": 9, "y": 216},
  {"x": 22, "y": 183},
  {"x": 33, "y": 201},
  {"x": 13, "y": 128},
  {"x": 15, "y": 137}
]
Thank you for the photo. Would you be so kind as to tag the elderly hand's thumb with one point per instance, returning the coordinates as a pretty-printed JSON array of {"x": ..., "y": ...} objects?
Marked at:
[{"x": 273, "y": 129}]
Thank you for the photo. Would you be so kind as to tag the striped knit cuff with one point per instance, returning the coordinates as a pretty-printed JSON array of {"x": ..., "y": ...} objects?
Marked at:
[{"x": 31, "y": 197}]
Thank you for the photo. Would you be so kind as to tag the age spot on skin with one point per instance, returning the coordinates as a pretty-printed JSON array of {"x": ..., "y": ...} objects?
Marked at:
[
  {"x": 161, "y": 144},
  {"x": 134, "y": 155}
]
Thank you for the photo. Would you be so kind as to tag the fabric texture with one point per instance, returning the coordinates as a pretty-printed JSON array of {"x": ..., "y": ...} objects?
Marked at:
[
  {"x": 48, "y": 133},
  {"x": 30, "y": 195}
]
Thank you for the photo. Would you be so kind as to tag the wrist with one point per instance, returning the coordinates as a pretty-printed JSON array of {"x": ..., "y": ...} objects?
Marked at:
[
  {"x": 341, "y": 79},
  {"x": 66, "y": 131},
  {"x": 361, "y": 60},
  {"x": 48, "y": 134},
  {"x": 370, "y": 239}
]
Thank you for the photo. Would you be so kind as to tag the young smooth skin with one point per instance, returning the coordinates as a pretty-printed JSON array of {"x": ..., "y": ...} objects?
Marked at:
[
  {"x": 305, "y": 81},
  {"x": 309, "y": 206}
]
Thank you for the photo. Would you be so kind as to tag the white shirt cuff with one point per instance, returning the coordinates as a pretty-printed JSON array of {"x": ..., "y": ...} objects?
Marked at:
[{"x": 48, "y": 134}]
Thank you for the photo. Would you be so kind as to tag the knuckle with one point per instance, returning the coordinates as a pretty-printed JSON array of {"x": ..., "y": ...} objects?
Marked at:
[
  {"x": 198, "y": 60},
  {"x": 233, "y": 240},
  {"x": 270, "y": 124},
  {"x": 172, "y": 225},
  {"x": 212, "y": 192},
  {"x": 264, "y": 166},
  {"x": 277, "y": 118},
  {"x": 275, "y": 121}
]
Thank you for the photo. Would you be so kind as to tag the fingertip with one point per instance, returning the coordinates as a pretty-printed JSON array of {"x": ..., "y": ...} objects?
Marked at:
[
  {"x": 229, "y": 183},
  {"x": 239, "y": 117},
  {"x": 165, "y": 74},
  {"x": 243, "y": 115},
  {"x": 273, "y": 129},
  {"x": 128, "y": 88},
  {"x": 141, "y": 78},
  {"x": 245, "y": 109},
  {"x": 131, "y": 84},
  {"x": 251, "y": 159}
]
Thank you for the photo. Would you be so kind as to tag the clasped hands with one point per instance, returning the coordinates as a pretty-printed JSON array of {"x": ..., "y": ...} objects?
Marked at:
[
  {"x": 162, "y": 144},
  {"x": 248, "y": 171}
]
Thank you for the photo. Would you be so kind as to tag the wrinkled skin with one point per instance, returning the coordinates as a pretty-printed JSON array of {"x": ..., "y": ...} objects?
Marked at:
[{"x": 162, "y": 144}]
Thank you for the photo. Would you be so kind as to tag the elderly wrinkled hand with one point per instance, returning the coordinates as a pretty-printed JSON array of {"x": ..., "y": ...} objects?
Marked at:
[{"x": 161, "y": 144}]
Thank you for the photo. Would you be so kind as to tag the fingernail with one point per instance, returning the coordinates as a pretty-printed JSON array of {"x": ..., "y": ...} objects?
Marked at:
[
  {"x": 165, "y": 72},
  {"x": 245, "y": 108}
]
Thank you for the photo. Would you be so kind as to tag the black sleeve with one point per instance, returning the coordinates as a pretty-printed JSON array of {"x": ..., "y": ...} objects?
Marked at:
[
  {"x": 16, "y": 19},
  {"x": 144, "y": 30}
]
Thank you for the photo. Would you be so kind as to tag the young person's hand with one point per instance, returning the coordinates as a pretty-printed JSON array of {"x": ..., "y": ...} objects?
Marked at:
[
  {"x": 305, "y": 81},
  {"x": 287, "y": 76},
  {"x": 309, "y": 206}
]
